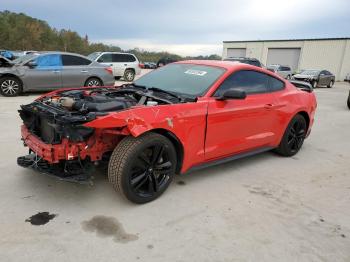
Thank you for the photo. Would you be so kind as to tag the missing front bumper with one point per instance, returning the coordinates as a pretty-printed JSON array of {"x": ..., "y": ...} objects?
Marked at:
[{"x": 71, "y": 171}]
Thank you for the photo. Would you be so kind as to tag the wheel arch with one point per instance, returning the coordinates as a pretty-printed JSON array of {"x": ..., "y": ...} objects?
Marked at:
[
  {"x": 15, "y": 76},
  {"x": 175, "y": 141},
  {"x": 306, "y": 117}
]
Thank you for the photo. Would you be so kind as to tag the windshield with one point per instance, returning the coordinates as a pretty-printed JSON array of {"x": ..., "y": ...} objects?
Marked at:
[
  {"x": 93, "y": 56},
  {"x": 310, "y": 72},
  {"x": 24, "y": 58},
  {"x": 187, "y": 79}
]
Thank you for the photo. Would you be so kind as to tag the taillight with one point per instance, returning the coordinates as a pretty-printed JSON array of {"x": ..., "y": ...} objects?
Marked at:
[
  {"x": 109, "y": 70},
  {"x": 141, "y": 65}
]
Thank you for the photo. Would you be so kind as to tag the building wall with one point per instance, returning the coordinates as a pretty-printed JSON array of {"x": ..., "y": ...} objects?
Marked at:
[{"x": 333, "y": 55}]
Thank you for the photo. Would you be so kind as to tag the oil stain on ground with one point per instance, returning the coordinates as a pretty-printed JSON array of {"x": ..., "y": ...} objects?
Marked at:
[
  {"x": 181, "y": 183},
  {"x": 108, "y": 227},
  {"x": 41, "y": 218}
]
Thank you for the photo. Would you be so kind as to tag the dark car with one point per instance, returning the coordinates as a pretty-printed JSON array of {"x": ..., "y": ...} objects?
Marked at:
[
  {"x": 165, "y": 60},
  {"x": 245, "y": 60},
  {"x": 180, "y": 117},
  {"x": 149, "y": 65},
  {"x": 316, "y": 77}
]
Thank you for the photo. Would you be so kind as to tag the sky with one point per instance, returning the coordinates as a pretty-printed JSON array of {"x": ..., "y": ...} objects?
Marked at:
[{"x": 195, "y": 27}]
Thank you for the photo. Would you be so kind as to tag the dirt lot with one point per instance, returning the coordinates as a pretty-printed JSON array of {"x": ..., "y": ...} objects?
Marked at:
[{"x": 263, "y": 208}]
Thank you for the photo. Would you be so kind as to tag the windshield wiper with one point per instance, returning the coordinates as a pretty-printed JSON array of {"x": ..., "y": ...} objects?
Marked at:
[
  {"x": 135, "y": 85},
  {"x": 165, "y": 92}
]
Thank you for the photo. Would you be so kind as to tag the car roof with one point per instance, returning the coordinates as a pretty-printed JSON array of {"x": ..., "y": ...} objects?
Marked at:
[{"x": 242, "y": 58}]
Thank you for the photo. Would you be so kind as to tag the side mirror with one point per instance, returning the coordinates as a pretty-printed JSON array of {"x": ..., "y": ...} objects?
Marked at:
[
  {"x": 233, "y": 94},
  {"x": 32, "y": 64}
]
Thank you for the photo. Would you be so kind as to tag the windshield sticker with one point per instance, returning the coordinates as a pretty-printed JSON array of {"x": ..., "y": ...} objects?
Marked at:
[{"x": 195, "y": 72}]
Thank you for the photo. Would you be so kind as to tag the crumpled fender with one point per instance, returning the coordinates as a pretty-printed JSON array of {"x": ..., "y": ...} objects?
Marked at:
[{"x": 138, "y": 120}]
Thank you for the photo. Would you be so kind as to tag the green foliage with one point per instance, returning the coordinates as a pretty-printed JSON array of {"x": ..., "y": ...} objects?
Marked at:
[{"x": 21, "y": 32}]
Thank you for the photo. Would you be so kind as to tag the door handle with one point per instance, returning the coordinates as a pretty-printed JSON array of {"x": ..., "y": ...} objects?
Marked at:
[
  {"x": 84, "y": 71},
  {"x": 56, "y": 71},
  {"x": 126, "y": 64},
  {"x": 268, "y": 106},
  {"x": 111, "y": 64},
  {"x": 272, "y": 106}
]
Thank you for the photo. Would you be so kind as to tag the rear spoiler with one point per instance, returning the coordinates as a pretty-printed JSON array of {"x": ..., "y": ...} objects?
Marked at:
[{"x": 304, "y": 86}]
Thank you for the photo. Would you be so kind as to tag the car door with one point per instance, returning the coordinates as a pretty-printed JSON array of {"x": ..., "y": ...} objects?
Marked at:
[
  {"x": 329, "y": 77},
  {"x": 75, "y": 70},
  {"x": 119, "y": 63},
  {"x": 235, "y": 126},
  {"x": 43, "y": 72},
  {"x": 107, "y": 59}
]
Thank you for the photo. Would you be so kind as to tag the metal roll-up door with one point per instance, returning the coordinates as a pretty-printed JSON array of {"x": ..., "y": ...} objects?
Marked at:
[
  {"x": 236, "y": 52},
  {"x": 284, "y": 56}
]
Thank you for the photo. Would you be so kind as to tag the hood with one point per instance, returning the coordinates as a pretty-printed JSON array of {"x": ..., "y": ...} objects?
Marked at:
[{"x": 303, "y": 76}]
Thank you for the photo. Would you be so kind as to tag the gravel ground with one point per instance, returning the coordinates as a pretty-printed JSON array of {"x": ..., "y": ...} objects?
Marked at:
[{"x": 262, "y": 208}]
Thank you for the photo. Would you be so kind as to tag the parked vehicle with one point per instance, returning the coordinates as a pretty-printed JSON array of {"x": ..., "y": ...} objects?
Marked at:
[
  {"x": 347, "y": 78},
  {"x": 123, "y": 64},
  {"x": 165, "y": 60},
  {"x": 7, "y": 54},
  {"x": 52, "y": 70},
  {"x": 245, "y": 60},
  {"x": 348, "y": 102},
  {"x": 181, "y": 117},
  {"x": 282, "y": 70},
  {"x": 18, "y": 54},
  {"x": 316, "y": 77},
  {"x": 150, "y": 65}
]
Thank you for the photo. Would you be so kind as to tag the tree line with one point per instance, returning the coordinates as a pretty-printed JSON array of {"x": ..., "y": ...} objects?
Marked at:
[{"x": 21, "y": 32}]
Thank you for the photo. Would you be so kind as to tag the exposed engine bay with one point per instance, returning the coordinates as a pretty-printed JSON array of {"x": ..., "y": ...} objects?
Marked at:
[{"x": 62, "y": 115}]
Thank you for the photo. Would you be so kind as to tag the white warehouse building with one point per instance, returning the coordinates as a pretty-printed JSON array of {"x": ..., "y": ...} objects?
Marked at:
[{"x": 332, "y": 54}]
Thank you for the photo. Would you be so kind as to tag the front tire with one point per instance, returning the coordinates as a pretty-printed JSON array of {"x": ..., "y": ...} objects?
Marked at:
[
  {"x": 142, "y": 168},
  {"x": 330, "y": 85},
  {"x": 129, "y": 75},
  {"x": 10, "y": 86},
  {"x": 293, "y": 137}
]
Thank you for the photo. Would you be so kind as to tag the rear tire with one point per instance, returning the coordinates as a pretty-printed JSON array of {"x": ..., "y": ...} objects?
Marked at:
[
  {"x": 129, "y": 75},
  {"x": 141, "y": 168},
  {"x": 10, "y": 86},
  {"x": 293, "y": 137},
  {"x": 93, "y": 81},
  {"x": 348, "y": 101}
]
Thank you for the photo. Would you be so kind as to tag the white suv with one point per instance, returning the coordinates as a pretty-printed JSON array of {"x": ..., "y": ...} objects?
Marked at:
[{"x": 123, "y": 64}]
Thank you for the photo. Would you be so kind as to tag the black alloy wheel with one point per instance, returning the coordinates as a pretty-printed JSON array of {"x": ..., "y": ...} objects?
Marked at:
[
  {"x": 293, "y": 137},
  {"x": 142, "y": 168}
]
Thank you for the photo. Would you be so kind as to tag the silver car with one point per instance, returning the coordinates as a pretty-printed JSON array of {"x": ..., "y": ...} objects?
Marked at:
[
  {"x": 281, "y": 70},
  {"x": 52, "y": 70}
]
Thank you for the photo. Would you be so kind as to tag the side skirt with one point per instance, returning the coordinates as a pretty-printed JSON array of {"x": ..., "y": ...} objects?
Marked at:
[{"x": 228, "y": 159}]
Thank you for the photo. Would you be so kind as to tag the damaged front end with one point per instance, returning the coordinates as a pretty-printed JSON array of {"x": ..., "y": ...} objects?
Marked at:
[
  {"x": 59, "y": 131},
  {"x": 59, "y": 142}
]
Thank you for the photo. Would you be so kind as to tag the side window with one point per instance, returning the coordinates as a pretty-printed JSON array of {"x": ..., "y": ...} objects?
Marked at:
[
  {"x": 285, "y": 68},
  {"x": 117, "y": 58},
  {"x": 275, "y": 84},
  {"x": 51, "y": 60},
  {"x": 250, "y": 81},
  {"x": 70, "y": 60},
  {"x": 323, "y": 72},
  {"x": 123, "y": 58},
  {"x": 129, "y": 58},
  {"x": 105, "y": 58}
]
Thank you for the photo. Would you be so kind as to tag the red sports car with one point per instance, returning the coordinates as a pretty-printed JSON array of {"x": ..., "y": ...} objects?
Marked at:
[{"x": 181, "y": 117}]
